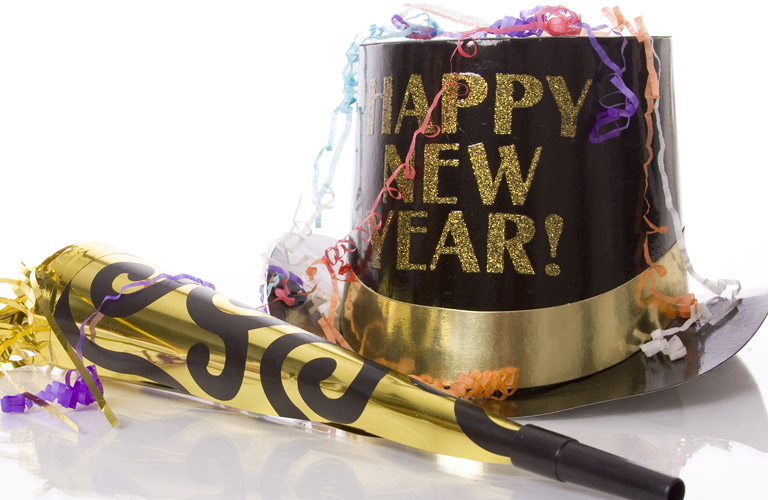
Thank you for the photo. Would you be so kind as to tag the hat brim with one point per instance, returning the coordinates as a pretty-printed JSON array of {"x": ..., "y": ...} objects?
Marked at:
[{"x": 707, "y": 346}]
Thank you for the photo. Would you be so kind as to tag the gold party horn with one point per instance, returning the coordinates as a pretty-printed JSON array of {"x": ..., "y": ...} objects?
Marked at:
[{"x": 181, "y": 335}]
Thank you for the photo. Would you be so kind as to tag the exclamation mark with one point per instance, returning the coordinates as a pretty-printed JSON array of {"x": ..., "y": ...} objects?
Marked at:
[{"x": 553, "y": 224}]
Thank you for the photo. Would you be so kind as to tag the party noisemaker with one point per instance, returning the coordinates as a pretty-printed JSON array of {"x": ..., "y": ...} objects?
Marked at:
[{"x": 94, "y": 304}]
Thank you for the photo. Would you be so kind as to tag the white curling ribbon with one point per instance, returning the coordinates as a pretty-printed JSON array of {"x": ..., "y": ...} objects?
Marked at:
[
  {"x": 458, "y": 17},
  {"x": 673, "y": 348},
  {"x": 324, "y": 307},
  {"x": 699, "y": 313},
  {"x": 719, "y": 287},
  {"x": 322, "y": 295},
  {"x": 653, "y": 347}
]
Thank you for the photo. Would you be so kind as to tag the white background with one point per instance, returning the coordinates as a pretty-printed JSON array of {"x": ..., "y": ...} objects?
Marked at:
[{"x": 184, "y": 132}]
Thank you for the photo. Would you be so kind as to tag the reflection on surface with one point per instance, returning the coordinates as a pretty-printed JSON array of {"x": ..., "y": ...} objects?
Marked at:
[
  {"x": 173, "y": 447},
  {"x": 714, "y": 410}
]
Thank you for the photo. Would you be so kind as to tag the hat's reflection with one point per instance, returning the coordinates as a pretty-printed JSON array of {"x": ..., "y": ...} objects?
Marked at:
[{"x": 172, "y": 447}]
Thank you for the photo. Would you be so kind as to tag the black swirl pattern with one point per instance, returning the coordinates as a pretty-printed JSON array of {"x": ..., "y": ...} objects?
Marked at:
[
  {"x": 483, "y": 431},
  {"x": 119, "y": 362},
  {"x": 103, "y": 286},
  {"x": 345, "y": 409},
  {"x": 233, "y": 330}
]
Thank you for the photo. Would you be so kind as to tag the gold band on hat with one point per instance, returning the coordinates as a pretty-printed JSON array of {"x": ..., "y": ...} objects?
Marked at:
[{"x": 547, "y": 345}]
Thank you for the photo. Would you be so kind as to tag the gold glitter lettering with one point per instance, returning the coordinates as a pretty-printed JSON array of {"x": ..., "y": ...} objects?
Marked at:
[
  {"x": 414, "y": 92},
  {"x": 386, "y": 105},
  {"x": 553, "y": 225},
  {"x": 392, "y": 160},
  {"x": 377, "y": 241},
  {"x": 497, "y": 242},
  {"x": 533, "y": 90},
  {"x": 404, "y": 230},
  {"x": 457, "y": 228},
  {"x": 450, "y": 102},
  {"x": 432, "y": 162},
  {"x": 510, "y": 167},
  {"x": 568, "y": 111}
]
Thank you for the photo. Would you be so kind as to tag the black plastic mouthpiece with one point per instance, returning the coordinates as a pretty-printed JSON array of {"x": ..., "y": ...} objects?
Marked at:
[{"x": 565, "y": 459}]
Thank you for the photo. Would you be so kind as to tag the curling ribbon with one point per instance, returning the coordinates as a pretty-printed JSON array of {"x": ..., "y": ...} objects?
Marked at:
[
  {"x": 18, "y": 329},
  {"x": 67, "y": 394},
  {"x": 554, "y": 21},
  {"x": 87, "y": 388},
  {"x": 699, "y": 313},
  {"x": 345, "y": 107},
  {"x": 94, "y": 318}
]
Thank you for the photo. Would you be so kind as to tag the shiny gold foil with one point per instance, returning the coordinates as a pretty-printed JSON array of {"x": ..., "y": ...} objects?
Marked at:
[
  {"x": 181, "y": 335},
  {"x": 548, "y": 345}
]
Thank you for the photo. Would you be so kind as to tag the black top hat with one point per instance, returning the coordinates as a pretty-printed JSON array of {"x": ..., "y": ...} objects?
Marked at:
[{"x": 530, "y": 234}]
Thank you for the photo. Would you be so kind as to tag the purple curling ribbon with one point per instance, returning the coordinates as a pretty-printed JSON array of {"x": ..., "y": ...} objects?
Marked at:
[
  {"x": 526, "y": 17},
  {"x": 280, "y": 274},
  {"x": 68, "y": 394},
  {"x": 177, "y": 277},
  {"x": 616, "y": 116},
  {"x": 399, "y": 23},
  {"x": 285, "y": 274},
  {"x": 425, "y": 31},
  {"x": 15, "y": 404}
]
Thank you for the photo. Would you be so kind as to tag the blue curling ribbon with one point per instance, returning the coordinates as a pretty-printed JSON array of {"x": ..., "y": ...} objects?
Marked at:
[{"x": 402, "y": 28}]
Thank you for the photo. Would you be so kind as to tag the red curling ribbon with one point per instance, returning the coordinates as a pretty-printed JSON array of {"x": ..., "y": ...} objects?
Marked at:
[{"x": 460, "y": 48}]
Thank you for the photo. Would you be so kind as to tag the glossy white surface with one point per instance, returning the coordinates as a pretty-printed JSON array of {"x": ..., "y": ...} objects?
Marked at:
[
  {"x": 712, "y": 432},
  {"x": 183, "y": 132}
]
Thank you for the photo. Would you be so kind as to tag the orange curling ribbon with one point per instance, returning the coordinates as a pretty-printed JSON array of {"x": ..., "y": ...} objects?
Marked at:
[
  {"x": 327, "y": 322},
  {"x": 489, "y": 384},
  {"x": 680, "y": 305}
]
